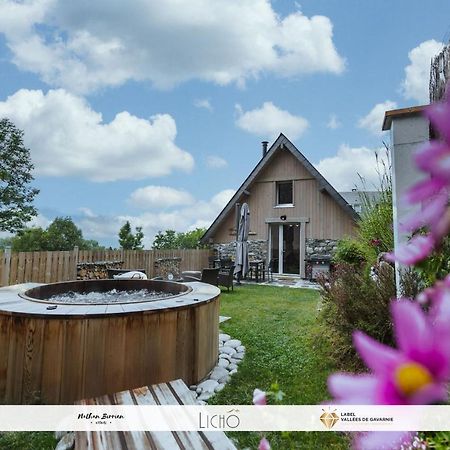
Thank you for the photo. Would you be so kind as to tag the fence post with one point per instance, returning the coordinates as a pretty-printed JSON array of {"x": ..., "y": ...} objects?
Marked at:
[
  {"x": 6, "y": 267},
  {"x": 75, "y": 262}
]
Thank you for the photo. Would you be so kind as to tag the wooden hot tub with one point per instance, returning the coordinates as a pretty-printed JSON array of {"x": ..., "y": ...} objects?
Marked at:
[{"x": 76, "y": 351}]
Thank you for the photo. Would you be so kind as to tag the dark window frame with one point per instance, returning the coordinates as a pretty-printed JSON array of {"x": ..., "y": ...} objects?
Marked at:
[{"x": 285, "y": 183}]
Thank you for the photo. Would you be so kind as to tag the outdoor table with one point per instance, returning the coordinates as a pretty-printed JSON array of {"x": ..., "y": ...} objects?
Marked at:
[{"x": 257, "y": 270}]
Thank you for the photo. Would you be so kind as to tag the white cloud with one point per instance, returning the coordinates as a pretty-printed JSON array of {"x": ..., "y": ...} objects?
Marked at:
[
  {"x": 203, "y": 103},
  {"x": 216, "y": 162},
  {"x": 333, "y": 122},
  {"x": 200, "y": 214},
  {"x": 39, "y": 221},
  {"x": 373, "y": 121},
  {"x": 417, "y": 73},
  {"x": 68, "y": 138},
  {"x": 269, "y": 121},
  {"x": 83, "y": 46},
  {"x": 159, "y": 197},
  {"x": 342, "y": 169}
]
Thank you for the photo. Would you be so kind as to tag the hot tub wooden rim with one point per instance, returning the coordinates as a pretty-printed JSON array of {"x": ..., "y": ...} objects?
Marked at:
[
  {"x": 82, "y": 286},
  {"x": 11, "y": 304}
]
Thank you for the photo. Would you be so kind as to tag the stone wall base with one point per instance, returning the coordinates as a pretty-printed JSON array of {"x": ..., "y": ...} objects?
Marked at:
[
  {"x": 320, "y": 247},
  {"x": 257, "y": 249}
]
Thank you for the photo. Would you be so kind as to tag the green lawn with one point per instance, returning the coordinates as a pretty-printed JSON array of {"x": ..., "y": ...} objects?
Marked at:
[
  {"x": 279, "y": 328},
  {"x": 27, "y": 441}
]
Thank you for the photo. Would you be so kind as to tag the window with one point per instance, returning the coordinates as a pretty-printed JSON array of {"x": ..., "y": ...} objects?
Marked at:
[{"x": 285, "y": 193}]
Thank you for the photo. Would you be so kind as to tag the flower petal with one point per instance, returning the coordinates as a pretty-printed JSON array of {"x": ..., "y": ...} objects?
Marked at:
[
  {"x": 430, "y": 215},
  {"x": 434, "y": 393},
  {"x": 434, "y": 158},
  {"x": 383, "y": 440},
  {"x": 259, "y": 397},
  {"x": 378, "y": 357},
  {"x": 423, "y": 190},
  {"x": 353, "y": 389},
  {"x": 417, "y": 249},
  {"x": 264, "y": 444},
  {"x": 412, "y": 330}
]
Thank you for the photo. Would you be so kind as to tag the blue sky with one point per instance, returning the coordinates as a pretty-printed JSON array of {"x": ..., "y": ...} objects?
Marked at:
[{"x": 154, "y": 112}]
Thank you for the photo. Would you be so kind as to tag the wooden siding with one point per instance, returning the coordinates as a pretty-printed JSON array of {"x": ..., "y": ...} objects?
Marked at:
[{"x": 327, "y": 219}]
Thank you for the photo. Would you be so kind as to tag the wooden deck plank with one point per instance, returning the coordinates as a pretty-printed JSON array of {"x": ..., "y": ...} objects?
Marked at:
[
  {"x": 156, "y": 440},
  {"x": 173, "y": 393}
]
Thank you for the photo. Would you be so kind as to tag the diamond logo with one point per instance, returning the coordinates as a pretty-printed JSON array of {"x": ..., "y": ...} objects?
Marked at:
[{"x": 329, "y": 419}]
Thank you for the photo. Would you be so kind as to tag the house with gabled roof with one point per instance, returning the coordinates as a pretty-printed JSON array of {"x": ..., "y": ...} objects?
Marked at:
[{"x": 295, "y": 213}]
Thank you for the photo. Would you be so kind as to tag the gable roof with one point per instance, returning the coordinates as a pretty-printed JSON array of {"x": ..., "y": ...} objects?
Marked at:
[{"x": 281, "y": 142}]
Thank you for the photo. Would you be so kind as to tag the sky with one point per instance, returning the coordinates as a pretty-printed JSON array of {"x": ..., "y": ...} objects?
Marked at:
[{"x": 154, "y": 111}]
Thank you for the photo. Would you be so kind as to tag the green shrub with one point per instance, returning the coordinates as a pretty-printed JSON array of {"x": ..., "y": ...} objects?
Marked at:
[
  {"x": 437, "y": 266},
  {"x": 438, "y": 440},
  {"x": 351, "y": 300},
  {"x": 349, "y": 251}
]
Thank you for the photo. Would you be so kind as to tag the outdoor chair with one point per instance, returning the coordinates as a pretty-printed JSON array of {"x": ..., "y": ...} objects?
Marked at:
[
  {"x": 269, "y": 270},
  {"x": 212, "y": 262},
  {"x": 209, "y": 276},
  {"x": 226, "y": 278},
  {"x": 225, "y": 263}
]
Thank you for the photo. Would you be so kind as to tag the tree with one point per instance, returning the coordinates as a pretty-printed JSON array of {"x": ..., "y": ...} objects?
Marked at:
[
  {"x": 170, "y": 239},
  {"x": 30, "y": 240},
  {"x": 191, "y": 239},
  {"x": 63, "y": 234},
  {"x": 5, "y": 242},
  {"x": 128, "y": 240},
  {"x": 91, "y": 244},
  {"x": 138, "y": 237},
  {"x": 165, "y": 240},
  {"x": 16, "y": 196}
]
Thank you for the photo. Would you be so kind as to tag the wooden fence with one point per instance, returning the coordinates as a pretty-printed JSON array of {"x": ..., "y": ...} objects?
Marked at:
[{"x": 50, "y": 267}]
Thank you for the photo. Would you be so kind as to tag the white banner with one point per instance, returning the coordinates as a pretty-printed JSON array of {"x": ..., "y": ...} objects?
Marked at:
[{"x": 225, "y": 418}]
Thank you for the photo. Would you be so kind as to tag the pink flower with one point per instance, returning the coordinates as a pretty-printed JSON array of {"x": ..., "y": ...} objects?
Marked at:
[
  {"x": 415, "y": 373},
  {"x": 264, "y": 444},
  {"x": 432, "y": 193},
  {"x": 430, "y": 215},
  {"x": 383, "y": 440},
  {"x": 417, "y": 249},
  {"x": 423, "y": 190},
  {"x": 259, "y": 397},
  {"x": 434, "y": 158}
]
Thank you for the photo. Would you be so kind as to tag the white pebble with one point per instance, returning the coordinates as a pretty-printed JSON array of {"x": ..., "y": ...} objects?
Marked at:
[
  {"x": 234, "y": 343},
  {"x": 223, "y": 362}
]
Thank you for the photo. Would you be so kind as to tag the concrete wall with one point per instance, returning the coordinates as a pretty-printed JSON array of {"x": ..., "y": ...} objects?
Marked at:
[{"x": 407, "y": 134}]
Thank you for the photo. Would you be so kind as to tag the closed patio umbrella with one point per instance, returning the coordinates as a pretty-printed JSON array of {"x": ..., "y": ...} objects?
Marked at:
[{"x": 241, "y": 260}]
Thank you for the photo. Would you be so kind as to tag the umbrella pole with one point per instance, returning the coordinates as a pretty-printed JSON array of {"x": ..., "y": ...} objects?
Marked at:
[{"x": 237, "y": 210}]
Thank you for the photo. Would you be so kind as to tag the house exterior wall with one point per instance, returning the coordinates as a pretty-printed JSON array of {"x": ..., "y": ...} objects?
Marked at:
[{"x": 327, "y": 220}]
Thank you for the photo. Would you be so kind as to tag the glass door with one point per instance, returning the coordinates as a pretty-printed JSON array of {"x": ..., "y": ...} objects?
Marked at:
[
  {"x": 274, "y": 243},
  {"x": 291, "y": 248},
  {"x": 284, "y": 248}
]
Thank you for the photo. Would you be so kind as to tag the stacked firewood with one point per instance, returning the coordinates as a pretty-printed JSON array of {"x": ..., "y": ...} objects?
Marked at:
[{"x": 97, "y": 270}]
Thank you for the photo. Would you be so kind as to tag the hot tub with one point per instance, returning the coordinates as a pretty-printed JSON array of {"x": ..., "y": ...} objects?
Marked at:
[{"x": 54, "y": 352}]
